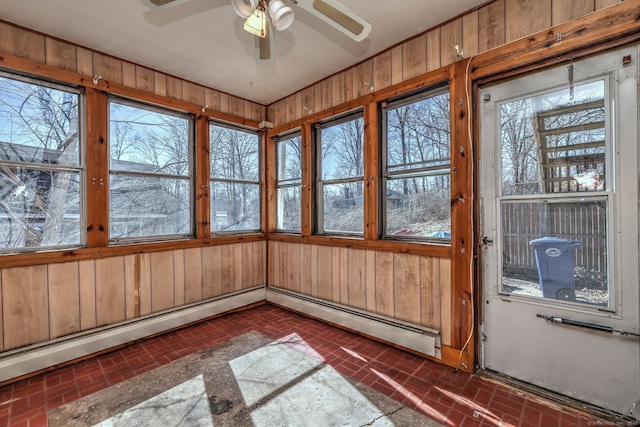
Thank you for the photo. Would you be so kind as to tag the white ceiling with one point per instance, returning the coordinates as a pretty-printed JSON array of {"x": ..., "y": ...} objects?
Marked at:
[{"x": 203, "y": 40}]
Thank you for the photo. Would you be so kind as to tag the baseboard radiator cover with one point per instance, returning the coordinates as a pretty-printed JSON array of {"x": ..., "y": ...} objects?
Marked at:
[
  {"x": 26, "y": 360},
  {"x": 408, "y": 335}
]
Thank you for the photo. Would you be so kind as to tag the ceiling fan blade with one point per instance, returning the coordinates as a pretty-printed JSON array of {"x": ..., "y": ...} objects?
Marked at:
[
  {"x": 161, "y": 2},
  {"x": 180, "y": 9},
  {"x": 264, "y": 44},
  {"x": 338, "y": 16}
]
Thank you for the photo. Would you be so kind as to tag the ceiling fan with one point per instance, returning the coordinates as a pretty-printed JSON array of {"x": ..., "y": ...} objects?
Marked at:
[{"x": 263, "y": 15}]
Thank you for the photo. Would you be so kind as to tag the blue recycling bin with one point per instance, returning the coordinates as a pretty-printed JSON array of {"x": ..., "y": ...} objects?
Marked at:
[{"x": 554, "y": 258}]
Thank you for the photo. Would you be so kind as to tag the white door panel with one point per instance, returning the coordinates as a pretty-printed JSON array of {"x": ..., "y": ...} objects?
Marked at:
[{"x": 559, "y": 160}]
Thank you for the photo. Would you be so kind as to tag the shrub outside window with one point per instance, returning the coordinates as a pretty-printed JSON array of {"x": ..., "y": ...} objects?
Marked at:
[
  {"x": 289, "y": 182},
  {"x": 235, "y": 179},
  {"x": 41, "y": 165},
  {"x": 150, "y": 188},
  {"x": 416, "y": 168},
  {"x": 340, "y": 175}
]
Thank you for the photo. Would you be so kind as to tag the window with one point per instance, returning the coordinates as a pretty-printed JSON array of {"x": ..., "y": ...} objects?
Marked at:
[
  {"x": 556, "y": 193},
  {"x": 340, "y": 175},
  {"x": 289, "y": 182},
  {"x": 41, "y": 165},
  {"x": 416, "y": 168},
  {"x": 150, "y": 189},
  {"x": 235, "y": 179}
]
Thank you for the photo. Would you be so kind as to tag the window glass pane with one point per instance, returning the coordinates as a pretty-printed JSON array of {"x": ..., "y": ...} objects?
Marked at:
[
  {"x": 417, "y": 203},
  {"x": 556, "y": 249},
  {"x": 554, "y": 142},
  {"x": 146, "y": 206},
  {"x": 343, "y": 209},
  {"x": 39, "y": 207},
  {"x": 418, "y": 207},
  {"x": 235, "y": 206},
  {"x": 41, "y": 199},
  {"x": 289, "y": 208},
  {"x": 144, "y": 140},
  {"x": 234, "y": 154},
  {"x": 289, "y": 160},
  {"x": 342, "y": 150},
  {"x": 38, "y": 124}
]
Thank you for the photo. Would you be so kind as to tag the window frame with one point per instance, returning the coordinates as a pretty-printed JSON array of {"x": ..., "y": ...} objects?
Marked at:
[
  {"x": 409, "y": 172},
  {"x": 260, "y": 181},
  {"x": 80, "y": 168},
  {"x": 190, "y": 177},
  {"x": 289, "y": 182},
  {"x": 320, "y": 183}
]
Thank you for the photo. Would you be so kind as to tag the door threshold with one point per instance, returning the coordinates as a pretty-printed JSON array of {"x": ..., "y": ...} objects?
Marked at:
[{"x": 557, "y": 399}]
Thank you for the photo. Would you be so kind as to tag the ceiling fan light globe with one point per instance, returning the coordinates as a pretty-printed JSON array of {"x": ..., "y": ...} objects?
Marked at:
[
  {"x": 244, "y": 8},
  {"x": 281, "y": 15},
  {"x": 256, "y": 23}
]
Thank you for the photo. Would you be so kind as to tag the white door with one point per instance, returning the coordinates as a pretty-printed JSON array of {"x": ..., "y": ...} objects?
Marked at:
[{"x": 559, "y": 212}]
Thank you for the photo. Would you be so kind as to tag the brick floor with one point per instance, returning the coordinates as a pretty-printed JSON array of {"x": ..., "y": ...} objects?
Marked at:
[{"x": 453, "y": 398}]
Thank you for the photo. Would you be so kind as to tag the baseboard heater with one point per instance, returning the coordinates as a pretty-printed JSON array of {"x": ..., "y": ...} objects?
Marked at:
[
  {"x": 25, "y": 360},
  {"x": 413, "y": 337}
]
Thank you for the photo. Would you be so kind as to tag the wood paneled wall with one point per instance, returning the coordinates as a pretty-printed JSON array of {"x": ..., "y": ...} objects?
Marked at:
[
  {"x": 411, "y": 288},
  {"x": 36, "y": 47},
  {"x": 44, "y": 302},
  {"x": 491, "y": 26}
]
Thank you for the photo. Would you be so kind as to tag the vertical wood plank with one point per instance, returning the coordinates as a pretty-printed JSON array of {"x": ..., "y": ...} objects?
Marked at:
[
  {"x": 307, "y": 170},
  {"x": 385, "y": 301},
  {"x": 247, "y": 263},
  {"x": 25, "y": 305},
  {"x": 192, "y": 275},
  {"x": 224, "y": 102},
  {"x": 563, "y": 11},
  {"x": 162, "y": 285},
  {"x": 64, "y": 299},
  {"x": 370, "y": 280},
  {"x": 108, "y": 67},
  {"x": 131, "y": 286},
  {"x": 491, "y": 26},
  {"x": 214, "y": 282},
  {"x": 276, "y": 256},
  {"x": 450, "y": 37},
  {"x": 236, "y": 106},
  {"x": 60, "y": 54},
  {"x": 371, "y": 173},
  {"x": 363, "y": 79},
  {"x": 193, "y": 93},
  {"x": 307, "y": 101},
  {"x": 344, "y": 275},
  {"x": 396, "y": 65},
  {"x": 335, "y": 274},
  {"x": 202, "y": 177},
  {"x": 227, "y": 274},
  {"x": 314, "y": 270},
  {"x": 110, "y": 300},
  {"x": 470, "y": 34},
  {"x": 178, "y": 277},
  {"x": 327, "y": 93},
  {"x": 325, "y": 272},
  {"x": 382, "y": 70},
  {"x": 284, "y": 264},
  {"x": 525, "y": 17},
  {"x": 160, "y": 84},
  {"x": 259, "y": 262},
  {"x": 87, "y": 279},
  {"x": 237, "y": 266},
  {"x": 128, "y": 74},
  {"x": 292, "y": 269},
  {"x": 445, "y": 302},
  {"x": 338, "y": 85},
  {"x": 406, "y": 287},
  {"x": 145, "y": 79},
  {"x": 430, "y": 292},
  {"x": 84, "y": 61},
  {"x": 414, "y": 57},
  {"x": 305, "y": 269},
  {"x": 317, "y": 95},
  {"x": 174, "y": 87},
  {"x": 356, "y": 278},
  {"x": 23, "y": 43},
  {"x": 212, "y": 99},
  {"x": 145, "y": 283},
  {"x": 433, "y": 49},
  {"x": 600, "y": 4}
]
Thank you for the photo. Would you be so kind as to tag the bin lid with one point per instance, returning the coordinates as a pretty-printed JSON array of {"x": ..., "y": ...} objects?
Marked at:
[{"x": 552, "y": 240}]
